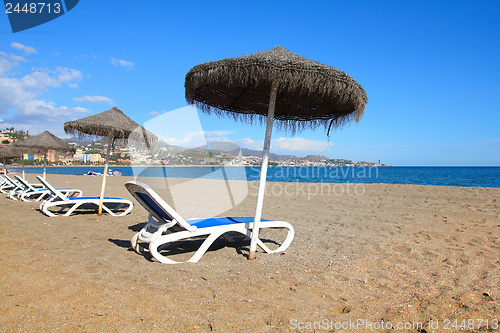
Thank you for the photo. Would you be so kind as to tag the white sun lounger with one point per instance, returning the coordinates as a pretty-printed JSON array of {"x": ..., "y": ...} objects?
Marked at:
[
  {"x": 7, "y": 184},
  {"x": 165, "y": 226},
  {"x": 33, "y": 191},
  {"x": 14, "y": 188},
  {"x": 110, "y": 204},
  {"x": 3, "y": 181}
]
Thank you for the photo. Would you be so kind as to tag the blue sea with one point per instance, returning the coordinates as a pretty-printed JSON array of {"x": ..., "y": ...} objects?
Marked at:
[{"x": 445, "y": 176}]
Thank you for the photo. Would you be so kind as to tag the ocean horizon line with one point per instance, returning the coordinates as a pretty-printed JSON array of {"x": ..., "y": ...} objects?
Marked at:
[{"x": 479, "y": 176}]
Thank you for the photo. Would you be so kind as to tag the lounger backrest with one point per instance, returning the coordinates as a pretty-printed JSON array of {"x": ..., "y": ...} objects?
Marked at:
[
  {"x": 155, "y": 205},
  {"x": 14, "y": 183},
  {"x": 52, "y": 190},
  {"x": 25, "y": 183},
  {"x": 4, "y": 182}
]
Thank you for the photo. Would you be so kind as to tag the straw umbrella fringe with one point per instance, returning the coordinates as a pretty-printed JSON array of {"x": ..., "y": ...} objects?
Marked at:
[
  {"x": 41, "y": 144},
  {"x": 311, "y": 94},
  {"x": 113, "y": 124},
  {"x": 299, "y": 93}
]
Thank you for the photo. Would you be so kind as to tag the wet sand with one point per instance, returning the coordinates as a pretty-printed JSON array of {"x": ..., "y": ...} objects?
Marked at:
[{"x": 378, "y": 253}]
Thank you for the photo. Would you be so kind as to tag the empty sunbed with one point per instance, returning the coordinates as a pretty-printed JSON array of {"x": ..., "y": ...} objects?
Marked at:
[
  {"x": 14, "y": 187},
  {"x": 114, "y": 206},
  {"x": 6, "y": 184},
  {"x": 165, "y": 226},
  {"x": 38, "y": 192}
]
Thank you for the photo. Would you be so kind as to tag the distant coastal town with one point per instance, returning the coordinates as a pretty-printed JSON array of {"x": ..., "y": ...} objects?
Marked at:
[{"x": 228, "y": 154}]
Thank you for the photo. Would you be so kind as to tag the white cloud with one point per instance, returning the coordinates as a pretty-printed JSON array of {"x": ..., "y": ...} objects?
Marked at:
[
  {"x": 26, "y": 49},
  {"x": 299, "y": 144},
  {"x": 156, "y": 113},
  {"x": 252, "y": 144},
  {"x": 21, "y": 98},
  {"x": 288, "y": 145},
  {"x": 196, "y": 139},
  {"x": 123, "y": 63},
  {"x": 191, "y": 140},
  {"x": 66, "y": 75},
  {"x": 17, "y": 59},
  {"x": 8, "y": 61},
  {"x": 94, "y": 99},
  {"x": 40, "y": 79}
]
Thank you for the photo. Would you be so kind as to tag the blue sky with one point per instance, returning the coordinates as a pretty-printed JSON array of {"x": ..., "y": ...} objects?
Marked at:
[{"x": 430, "y": 70}]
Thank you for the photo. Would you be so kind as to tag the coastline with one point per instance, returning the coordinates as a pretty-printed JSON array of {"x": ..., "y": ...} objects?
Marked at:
[
  {"x": 396, "y": 253},
  {"x": 436, "y": 176}
]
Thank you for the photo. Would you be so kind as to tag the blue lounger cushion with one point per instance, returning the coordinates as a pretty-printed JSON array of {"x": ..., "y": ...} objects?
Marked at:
[
  {"x": 218, "y": 221},
  {"x": 199, "y": 223},
  {"x": 92, "y": 198},
  {"x": 59, "y": 189}
]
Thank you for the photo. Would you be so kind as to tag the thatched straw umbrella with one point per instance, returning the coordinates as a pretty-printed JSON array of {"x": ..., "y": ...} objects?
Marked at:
[
  {"x": 113, "y": 124},
  {"x": 41, "y": 144},
  {"x": 297, "y": 92},
  {"x": 6, "y": 152}
]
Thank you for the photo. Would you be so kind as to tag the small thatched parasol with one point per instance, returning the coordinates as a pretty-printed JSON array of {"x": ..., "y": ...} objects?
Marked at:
[
  {"x": 297, "y": 92},
  {"x": 41, "y": 144},
  {"x": 113, "y": 124},
  {"x": 6, "y": 152}
]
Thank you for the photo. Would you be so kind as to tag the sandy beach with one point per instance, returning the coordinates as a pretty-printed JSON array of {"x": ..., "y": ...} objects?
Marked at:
[{"x": 373, "y": 255}]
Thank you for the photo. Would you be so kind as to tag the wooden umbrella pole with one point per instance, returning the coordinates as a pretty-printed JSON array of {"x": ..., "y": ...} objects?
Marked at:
[
  {"x": 263, "y": 170},
  {"x": 44, "y": 163},
  {"x": 101, "y": 198},
  {"x": 22, "y": 163}
]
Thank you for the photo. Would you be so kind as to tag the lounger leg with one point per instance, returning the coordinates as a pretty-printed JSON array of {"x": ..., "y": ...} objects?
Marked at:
[
  {"x": 288, "y": 240},
  {"x": 168, "y": 239},
  {"x": 165, "y": 239},
  {"x": 128, "y": 210},
  {"x": 134, "y": 243},
  {"x": 45, "y": 209},
  {"x": 73, "y": 208},
  {"x": 209, "y": 241},
  {"x": 40, "y": 198},
  {"x": 144, "y": 235},
  {"x": 119, "y": 206}
]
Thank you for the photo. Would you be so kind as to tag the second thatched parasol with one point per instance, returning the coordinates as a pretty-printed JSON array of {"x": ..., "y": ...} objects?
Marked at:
[
  {"x": 41, "y": 144},
  {"x": 297, "y": 92},
  {"x": 113, "y": 124}
]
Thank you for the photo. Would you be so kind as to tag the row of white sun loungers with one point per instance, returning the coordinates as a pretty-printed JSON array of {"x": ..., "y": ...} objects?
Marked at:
[
  {"x": 63, "y": 199},
  {"x": 165, "y": 227},
  {"x": 20, "y": 189}
]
